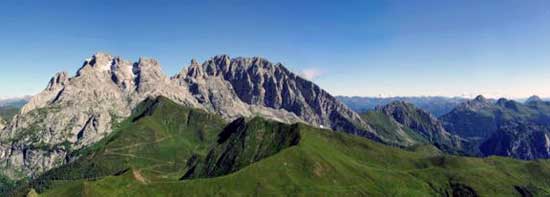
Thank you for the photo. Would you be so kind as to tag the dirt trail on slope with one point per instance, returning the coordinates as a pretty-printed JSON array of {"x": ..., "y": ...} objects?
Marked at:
[{"x": 139, "y": 177}]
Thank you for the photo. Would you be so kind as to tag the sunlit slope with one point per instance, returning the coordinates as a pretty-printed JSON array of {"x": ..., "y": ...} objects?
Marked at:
[
  {"x": 158, "y": 140},
  {"x": 329, "y": 163}
]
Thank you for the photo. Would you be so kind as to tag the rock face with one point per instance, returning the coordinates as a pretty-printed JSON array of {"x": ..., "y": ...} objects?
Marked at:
[
  {"x": 230, "y": 85},
  {"x": 422, "y": 123},
  {"x": 218, "y": 95},
  {"x": 76, "y": 111},
  {"x": 522, "y": 141}
]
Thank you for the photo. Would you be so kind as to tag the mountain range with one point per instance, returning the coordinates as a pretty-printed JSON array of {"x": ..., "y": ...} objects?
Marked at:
[
  {"x": 76, "y": 111},
  {"x": 120, "y": 124},
  {"x": 504, "y": 127},
  {"x": 436, "y": 105}
]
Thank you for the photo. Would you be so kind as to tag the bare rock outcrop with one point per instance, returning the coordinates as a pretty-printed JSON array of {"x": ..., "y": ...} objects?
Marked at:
[{"x": 230, "y": 85}]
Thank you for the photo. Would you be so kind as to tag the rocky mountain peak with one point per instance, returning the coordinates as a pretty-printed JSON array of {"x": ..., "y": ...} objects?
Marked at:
[
  {"x": 402, "y": 110},
  {"x": 475, "y": 104},
  {"x": 58, "y": 81},
  {"x": 257, "y": 81},
  {"x": 421, "y": 122},
  {"x": 148, "y": 67},
  {"x": 99, "y": 62},
  {"x": 194, "y": 62},
  {"x": 194, "y": 70}
]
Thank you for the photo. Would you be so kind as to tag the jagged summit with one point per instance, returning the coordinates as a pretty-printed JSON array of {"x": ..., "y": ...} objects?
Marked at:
[
  {"x": 258, "y": 82},
  {"x": 58, "y": 80}
]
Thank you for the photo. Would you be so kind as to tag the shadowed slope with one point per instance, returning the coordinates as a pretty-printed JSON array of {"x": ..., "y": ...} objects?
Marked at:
[{"x": 242, "y": 143}]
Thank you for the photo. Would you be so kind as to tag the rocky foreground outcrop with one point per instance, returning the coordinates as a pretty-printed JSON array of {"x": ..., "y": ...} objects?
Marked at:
[{"x": 76, "y": 111}]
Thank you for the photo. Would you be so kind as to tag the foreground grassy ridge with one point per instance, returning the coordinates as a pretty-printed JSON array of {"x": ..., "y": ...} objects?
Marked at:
[
  {"x": 242, "y": 143},
  {"x": 330, "y": 163},
  {"x": 156, "y": 141},
  {"x": 152, "y": 150}
]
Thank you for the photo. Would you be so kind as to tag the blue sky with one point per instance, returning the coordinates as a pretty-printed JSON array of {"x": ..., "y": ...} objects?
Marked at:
[{"x": 369, "y": 48}]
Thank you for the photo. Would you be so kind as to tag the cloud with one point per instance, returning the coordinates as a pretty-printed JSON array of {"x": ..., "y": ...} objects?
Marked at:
[{"x": 311, "y": 73}]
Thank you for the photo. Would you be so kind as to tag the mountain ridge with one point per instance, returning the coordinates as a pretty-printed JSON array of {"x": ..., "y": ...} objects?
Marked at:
[{"x": 504, "y": 127}]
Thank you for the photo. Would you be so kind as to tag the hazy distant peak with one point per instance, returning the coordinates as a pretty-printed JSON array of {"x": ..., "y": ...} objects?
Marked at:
[
  {"x": 533, "y": 99},
  {"x": 502, "y": 101},
  {"x": 480, "y": 98}
]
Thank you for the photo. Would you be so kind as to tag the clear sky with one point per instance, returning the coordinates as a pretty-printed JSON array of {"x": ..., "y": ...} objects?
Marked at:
[{"x": 368, "y": 48}]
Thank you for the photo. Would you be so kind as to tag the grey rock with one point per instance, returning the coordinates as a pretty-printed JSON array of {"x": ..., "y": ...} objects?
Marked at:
[
  {"x": 518, "y": 140},
  {"x": 226, "y": 84}
]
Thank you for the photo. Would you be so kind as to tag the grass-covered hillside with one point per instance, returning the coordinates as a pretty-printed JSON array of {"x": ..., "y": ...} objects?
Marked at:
[
  {"x": 158, "y": 140},
  {"x": 149, "y": 155}
]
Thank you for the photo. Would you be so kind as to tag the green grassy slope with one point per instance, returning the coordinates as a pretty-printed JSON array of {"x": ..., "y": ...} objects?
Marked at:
[
  {"x": 330, "y": 163},
  {"x": 322, "y": 162},
  {"x": 158, "y": 141},
  {"x": 242, "y": 143},
  {"x": 392, "y": 132}
]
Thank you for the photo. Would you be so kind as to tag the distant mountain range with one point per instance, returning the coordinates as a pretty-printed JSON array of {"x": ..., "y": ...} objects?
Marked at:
[
  {"x": 254, "y": 127},
  {"x": 15, "y": 101},
  {"x": 10, "y": 107},
  {"x": 434, "y": 105},
  {"x": 477, "y": 127},
  {"x": 504, "y": 127}
]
